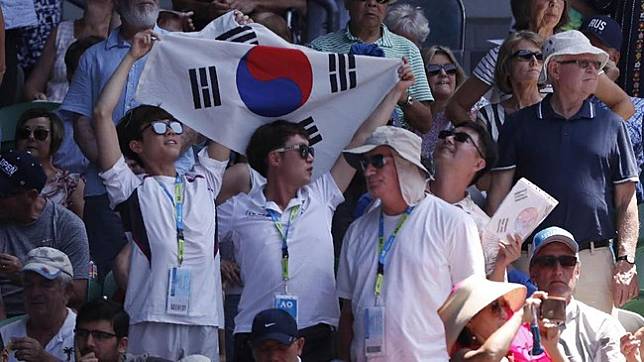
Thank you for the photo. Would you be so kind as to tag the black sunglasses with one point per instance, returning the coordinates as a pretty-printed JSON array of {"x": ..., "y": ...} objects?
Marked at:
[
  {"x": 162, "y": 127},
  {"x": 381, "y": 2},
  {"x": 527, "y": 55},
  {"x": 378, "y": 161},
  {"x": 434, "y": 69},
  {"x": 40, "y": 134},
  {"x": 550, "y": 261},
  {"x": 303, "y": 149},
  {"x": 461, "y": 137},
  {"x": 100, "y": 335}
]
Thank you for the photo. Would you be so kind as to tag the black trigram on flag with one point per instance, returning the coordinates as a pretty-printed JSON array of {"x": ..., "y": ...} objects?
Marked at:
[
  {"x": 205, "y": 87},
  {"x": 342, "y": 72},
  {"x": 312, "y": 130},
  {"x": 240, "y": 34}
]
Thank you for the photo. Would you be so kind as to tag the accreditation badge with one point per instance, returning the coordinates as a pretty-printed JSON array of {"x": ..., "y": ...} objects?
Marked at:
[
  {"x": 374, "y": 345},
  {"x": 288, "y": 303},
  {"x": 178, "y": 301}
]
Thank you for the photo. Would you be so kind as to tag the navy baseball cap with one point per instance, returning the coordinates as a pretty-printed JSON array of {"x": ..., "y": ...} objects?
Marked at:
[
  {"x": 605, "y": 29},
  {"x": 273, "y": 325},
  {"x": 20, "y": 170},
  {"x": 551, "y": 235}
]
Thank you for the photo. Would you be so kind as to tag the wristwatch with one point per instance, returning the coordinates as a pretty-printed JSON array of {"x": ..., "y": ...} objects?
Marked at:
[
  {"x": 407, "y": 102},
  {"x": 627, "y": 258}
]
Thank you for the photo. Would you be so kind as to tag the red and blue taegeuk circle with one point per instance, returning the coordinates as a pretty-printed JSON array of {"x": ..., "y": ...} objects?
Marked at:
[{"x": 273, "y": 82}]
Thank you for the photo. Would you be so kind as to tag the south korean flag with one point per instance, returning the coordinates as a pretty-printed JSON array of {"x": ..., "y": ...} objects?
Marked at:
[{"x": 226, "y": 89}]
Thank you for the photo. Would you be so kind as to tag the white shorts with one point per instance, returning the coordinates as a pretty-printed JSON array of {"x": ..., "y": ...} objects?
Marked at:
[{"x": 173, "y": 341}]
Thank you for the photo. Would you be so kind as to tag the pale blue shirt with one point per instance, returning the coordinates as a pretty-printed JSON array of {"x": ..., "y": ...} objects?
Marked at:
[{"x": 95, "y": 68}]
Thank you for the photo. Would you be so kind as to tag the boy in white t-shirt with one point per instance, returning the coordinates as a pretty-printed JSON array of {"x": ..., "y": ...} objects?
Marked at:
[{"x": 174, "y": 282}]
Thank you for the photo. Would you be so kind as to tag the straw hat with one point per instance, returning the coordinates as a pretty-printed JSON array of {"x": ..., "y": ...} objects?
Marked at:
[{"x": 470, "y": 297}]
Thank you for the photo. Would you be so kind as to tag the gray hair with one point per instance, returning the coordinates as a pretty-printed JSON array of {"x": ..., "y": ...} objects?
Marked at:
[{"x": 408, "y": 20}]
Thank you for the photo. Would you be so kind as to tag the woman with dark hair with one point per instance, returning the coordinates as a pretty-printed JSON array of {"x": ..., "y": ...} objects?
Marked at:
[
  {"x": 517, "y": 74},
  {"x": 544, "y": 17},
  {"x": 444, "y": 75},
  {"x": 40, "y": 132}
]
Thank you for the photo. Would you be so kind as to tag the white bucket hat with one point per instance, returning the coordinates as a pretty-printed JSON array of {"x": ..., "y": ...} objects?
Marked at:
[
  {"x": 570, "y": 42},
  {"x": 469, "y": 297},
  {"x": 412, "y": 175}
]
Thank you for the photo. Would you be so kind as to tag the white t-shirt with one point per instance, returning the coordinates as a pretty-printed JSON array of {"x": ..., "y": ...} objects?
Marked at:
[
  {"x": 60, "y": 346},
  {"x": 436, "y": 247},
  {"x": 258, "y": 251},
  {"x": 148, "y": 215}
]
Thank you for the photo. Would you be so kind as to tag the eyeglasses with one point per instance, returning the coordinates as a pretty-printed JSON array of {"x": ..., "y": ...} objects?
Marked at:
[
  {"x": 162, "y": 127},
  {"x": 99, "y": 335},
  {"x": 40, "y": 134},
  {"x": 377, "y": 161},
  {"x": 381, "y": 2},
  {"x": 550, "y": 261},
  {"x": 461, "y": 137},
  {"x": 303, "y": 149},
  {"x": 527, "y": 55},
  {"x": 583, "y": 64},
  {"x": 434, "y": 69}
]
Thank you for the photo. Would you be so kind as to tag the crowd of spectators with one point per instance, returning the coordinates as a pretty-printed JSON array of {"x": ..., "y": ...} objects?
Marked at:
[{"x": 125, "y": 235}]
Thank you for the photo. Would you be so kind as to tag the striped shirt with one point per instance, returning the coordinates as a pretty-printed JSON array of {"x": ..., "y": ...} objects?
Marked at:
[{"x": 394, "y": 46}]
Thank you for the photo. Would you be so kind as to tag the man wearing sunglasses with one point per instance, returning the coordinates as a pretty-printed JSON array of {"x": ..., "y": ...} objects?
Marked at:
[
  {"x": 581, "y": 155},
  {"x": 408, "y": 248},
  {"x": 173, "y": 278},
  {"x": 281, "y": 232},
  {"x": 366, "y": 26},
  {"x": 587, "y": 334}
]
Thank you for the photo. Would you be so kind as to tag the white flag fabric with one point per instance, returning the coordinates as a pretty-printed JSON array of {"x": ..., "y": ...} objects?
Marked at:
[{"x": 226, "y": 89}]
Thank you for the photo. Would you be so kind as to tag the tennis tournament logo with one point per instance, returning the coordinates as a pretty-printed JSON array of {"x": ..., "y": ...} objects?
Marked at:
[{"x": 273, "y": 82}]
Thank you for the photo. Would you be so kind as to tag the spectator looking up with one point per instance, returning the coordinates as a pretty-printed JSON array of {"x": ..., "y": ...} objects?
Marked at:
[
  {"x": 46, "y": 333},
  {"x": 439, "y": 246},
  {"x": 40, "y": 132},
  {"x": 181, "y": 238},
  {"x": 365, "y": 26},
  {"x": 409, "y": 22},
  {"x": 567, "y": 137},
  {"x": 101, "y": 332},
  {"x": 28, "y": 221}
]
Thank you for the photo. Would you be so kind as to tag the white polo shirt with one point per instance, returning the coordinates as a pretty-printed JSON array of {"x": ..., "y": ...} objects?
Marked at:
[
  {"x": 258, "y": 251},
  {"x": 436, "y": 247},
  {"x": 60, "y": 346},
  {"x": 148, "y": 214}
]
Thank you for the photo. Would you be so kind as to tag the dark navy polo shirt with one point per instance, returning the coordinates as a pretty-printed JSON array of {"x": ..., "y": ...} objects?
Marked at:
[{"x": 578, "y": 161}]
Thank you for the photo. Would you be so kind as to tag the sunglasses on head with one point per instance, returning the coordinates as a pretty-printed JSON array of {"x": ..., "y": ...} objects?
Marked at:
[
  {"x": 162, "y": 127},
  {"x": 460, "y": 137},
  {"x": 550, "y": 261},
  {"x": 527, "y": 55},
  {"x": 303, "y": 149},
  {"x": 377, "y": 161},
  {"x": 40, "y": 134},
  {"x": 434, "y": 69}
]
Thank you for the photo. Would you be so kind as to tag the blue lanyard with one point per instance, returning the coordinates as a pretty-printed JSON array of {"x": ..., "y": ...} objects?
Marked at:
[
  {"x": 177, "y": 201},
  {"x": 385, "y": 248},
  {"x": 284, "y": 234}
]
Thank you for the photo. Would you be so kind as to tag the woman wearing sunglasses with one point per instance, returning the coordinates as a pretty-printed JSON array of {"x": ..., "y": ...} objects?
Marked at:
[
  {"x": 544, "y": 17},
  {"x": 488, "y": 321},
  {"x": 444, "y": 75},
  {"x": 517, "y": 73},
  {"x": 40, "y": 132}
]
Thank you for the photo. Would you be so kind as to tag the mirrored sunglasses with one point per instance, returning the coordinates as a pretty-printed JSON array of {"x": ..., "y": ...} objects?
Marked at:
[
  {"x": 162, "y": 127},
  {"x": 527, "y": 55},
  {"x": 434, "y": 69},
  {"x": 304, "y": 150},
  {"x": 40, "y": 134},
  {"x": 550, "y": 261}
]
